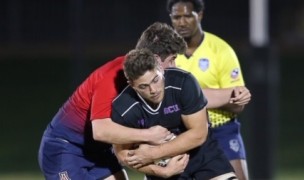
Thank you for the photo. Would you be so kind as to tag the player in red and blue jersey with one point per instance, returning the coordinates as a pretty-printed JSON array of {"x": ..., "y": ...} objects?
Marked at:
[{"x": 76, "y": 143}]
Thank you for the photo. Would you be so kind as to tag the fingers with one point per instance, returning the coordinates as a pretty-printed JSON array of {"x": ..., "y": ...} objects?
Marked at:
[
  {"x": 131, "y": 152},
  {"x": 183, "y": 158},
  {"x": 242, "y": 96},
  {"x": 133, "y": 162},
  {"x": 159, "y": 134},
  {"x": 179, "y": 163}
]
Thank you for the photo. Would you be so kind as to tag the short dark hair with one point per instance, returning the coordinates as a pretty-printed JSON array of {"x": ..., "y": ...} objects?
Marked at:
[
  {"x": 138, "y": 62},
  {"x": 163, "y": 40},
  {"x": 198, "y": 5}
]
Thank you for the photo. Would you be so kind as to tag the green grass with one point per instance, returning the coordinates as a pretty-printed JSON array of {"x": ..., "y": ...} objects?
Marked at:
[
  {"x": 38, "y": 176},
  {"x": 282, "y": 175}
]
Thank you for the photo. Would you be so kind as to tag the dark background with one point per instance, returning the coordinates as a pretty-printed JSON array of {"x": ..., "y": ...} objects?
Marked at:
[{"x": 48, "y": 47}]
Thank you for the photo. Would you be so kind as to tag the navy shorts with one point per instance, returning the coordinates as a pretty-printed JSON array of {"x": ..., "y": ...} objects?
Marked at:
[
  {"x": 230, "y": 140},
  {"x": 60, "y": 159}
]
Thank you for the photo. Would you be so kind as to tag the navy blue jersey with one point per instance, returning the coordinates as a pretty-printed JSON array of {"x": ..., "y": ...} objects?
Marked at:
[{"x": 182, "y": 96}]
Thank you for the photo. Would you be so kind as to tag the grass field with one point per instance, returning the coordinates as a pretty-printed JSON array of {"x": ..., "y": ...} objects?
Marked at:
[{"x": 284, "y": 175}]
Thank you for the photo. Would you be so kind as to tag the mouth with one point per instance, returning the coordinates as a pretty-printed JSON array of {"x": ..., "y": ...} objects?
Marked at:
[
  {"x": 183, "y": 31},
  {"x": 156, "y": 96}
]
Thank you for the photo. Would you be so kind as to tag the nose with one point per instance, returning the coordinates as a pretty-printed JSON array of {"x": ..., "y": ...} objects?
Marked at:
[
  {"x": 182, "y": 21},
  {"x": 152, "y": 88}
]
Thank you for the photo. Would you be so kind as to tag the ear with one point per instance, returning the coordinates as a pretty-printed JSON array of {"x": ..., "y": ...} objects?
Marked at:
[
  {"x": 158, "y": 58},
  {"x": 200, "y": 16},
  {"x": 161, "y": 69},
  {"x": 130, "y": 83}
]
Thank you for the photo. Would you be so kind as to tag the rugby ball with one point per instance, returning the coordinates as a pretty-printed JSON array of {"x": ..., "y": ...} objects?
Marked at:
[{"x": 165, "y": 161}]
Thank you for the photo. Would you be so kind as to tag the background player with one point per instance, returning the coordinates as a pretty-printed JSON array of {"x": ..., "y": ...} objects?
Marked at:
[
  {"x": 172, "y": 99},
  {"x": 215, "y": 65}
]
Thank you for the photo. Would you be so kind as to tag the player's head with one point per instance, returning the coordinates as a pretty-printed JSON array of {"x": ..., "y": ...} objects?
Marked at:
[
  {"x": 164, "y": 41},
  {"x": 145, "y": 75},
  {"x": 186, "y": 16}
]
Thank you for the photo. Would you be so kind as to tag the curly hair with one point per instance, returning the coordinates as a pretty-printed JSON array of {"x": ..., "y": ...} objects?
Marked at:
[
  {"x": 138, "y": 62},
  {"x": 198, "y": 5},
  {"x": 161, "y": 39}
]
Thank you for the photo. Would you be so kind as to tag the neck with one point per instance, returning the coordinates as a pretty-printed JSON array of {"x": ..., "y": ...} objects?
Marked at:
[{"x": 194, "y": 42}]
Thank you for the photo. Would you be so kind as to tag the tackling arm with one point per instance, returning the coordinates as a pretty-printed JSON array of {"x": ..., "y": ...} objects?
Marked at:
[
  {"x": 194, "y": 136},
  {"x": 106, "y": 130}
]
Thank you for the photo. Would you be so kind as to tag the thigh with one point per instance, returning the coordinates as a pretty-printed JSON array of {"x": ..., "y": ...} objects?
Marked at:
[
  {"x": 214, "y": 164},
  {"x": 59, "y": 159},
  {"x": 230, "y": 140},
  {"x": 240, "y": 168}
]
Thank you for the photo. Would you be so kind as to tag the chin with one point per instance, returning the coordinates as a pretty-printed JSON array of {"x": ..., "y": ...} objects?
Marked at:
[{"x": 187, "y": 38}]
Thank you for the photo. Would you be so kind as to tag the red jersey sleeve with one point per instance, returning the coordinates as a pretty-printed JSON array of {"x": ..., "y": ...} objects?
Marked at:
[{"x": 108, "y": 83}]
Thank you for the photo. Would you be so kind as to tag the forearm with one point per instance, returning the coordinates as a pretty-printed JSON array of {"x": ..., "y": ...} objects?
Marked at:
[
  {"x": 221, "y": 99},
  {"x": 195, "y": 135},
  {"x": 234, "y": 108},
  {"x": 183, "y": 143},
  {"x": 217, "y": 98},
  {"x": 155, "y": 170},
  {"x": 106, "y": 130}
]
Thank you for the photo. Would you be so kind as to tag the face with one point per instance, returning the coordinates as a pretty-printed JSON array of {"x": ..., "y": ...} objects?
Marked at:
[
  {"x": 168, "y": 62},
  {"x": 185, "y": 20},
  {"x": 150, "y": 86}
]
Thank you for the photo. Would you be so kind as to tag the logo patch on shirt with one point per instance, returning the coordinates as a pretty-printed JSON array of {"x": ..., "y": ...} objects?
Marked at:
[
  {"x": 64, "y": 175},
  {"x": 234, "y": 145},
  {"x": 171, "y": 109},
  {"x": 204, "y": 64},
  {"x": 235, "y": 73}
]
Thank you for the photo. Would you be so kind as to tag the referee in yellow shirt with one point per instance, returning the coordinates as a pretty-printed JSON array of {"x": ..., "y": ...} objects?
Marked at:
[{"x": 215, "y": 65}]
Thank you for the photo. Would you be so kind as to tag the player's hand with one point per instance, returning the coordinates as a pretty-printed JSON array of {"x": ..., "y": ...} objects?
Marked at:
[
  {"x": 140, "y": 156},
  {"x": 240, "y": 96},
  {"x": 159, "y": 135},
  {"x": 176, "y": 165}
]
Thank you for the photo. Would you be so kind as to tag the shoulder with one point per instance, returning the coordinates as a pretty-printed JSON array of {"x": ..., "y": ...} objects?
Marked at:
[
  {"x": 112, "y": 65},
  {"x": 176, "y": 73},
  {"x": 215, "y": 40},
  {"x": 176, "y": 77},
  {"x": 125, "y": 101}
]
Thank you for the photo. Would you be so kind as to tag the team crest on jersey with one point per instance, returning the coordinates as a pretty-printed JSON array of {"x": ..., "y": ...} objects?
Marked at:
[
  {"x": 64, "y": 175},
  {"x": 234, "y": 145},
  {"x": 204, "y": 64},
  {"x": 235, "y": 73}
]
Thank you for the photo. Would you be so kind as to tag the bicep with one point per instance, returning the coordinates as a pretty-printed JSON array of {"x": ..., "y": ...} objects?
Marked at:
[{"x": 197, "y": 120}]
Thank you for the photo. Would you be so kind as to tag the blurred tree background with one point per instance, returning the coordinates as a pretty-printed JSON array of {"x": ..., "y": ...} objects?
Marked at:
[{"x": 48, "y": 47}]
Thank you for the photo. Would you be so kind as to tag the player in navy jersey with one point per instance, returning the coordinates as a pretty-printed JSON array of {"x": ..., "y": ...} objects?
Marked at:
[
  {"x": 173, "y": 99},
  {"x": 75, "y": 143}
]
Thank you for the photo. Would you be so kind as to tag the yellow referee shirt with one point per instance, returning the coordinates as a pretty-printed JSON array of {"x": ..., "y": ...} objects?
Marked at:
[{"x": 215, "y": 65}]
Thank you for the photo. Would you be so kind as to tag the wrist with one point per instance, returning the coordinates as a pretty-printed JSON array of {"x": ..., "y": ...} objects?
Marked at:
[
  {"x": 145, "y": 134},
  {"x": 160, "y": 171}
]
